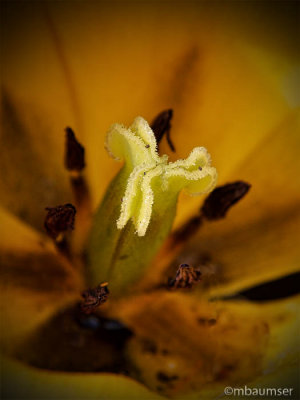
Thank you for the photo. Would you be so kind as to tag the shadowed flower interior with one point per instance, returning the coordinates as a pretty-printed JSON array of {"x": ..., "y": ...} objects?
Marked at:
[{"x": 145, "y": 293}]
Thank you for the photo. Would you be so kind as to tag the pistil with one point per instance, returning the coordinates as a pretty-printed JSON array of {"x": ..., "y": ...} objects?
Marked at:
[{"x": 128, "y": 233}]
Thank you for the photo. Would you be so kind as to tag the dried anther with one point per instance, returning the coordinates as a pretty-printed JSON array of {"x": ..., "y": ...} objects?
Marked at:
[
  {"x": 161, "y": 376},
  {"x": 222, "y": 198},
  {"x": 161, "y": 125},
  {"x": 93, "y": 298},
  {"x": 59, "y": 219},
  {"x": 74, "y": 152},
  {"x": 207, "y": 322},
  {"x": 185, "y": 277}
]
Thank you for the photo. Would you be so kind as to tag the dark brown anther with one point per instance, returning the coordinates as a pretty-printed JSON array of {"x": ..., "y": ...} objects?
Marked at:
[
  {"x": 74, "y": 152},
  {"x": 74, "y": 160},
  {"x": 59, "y": 220},
  {"x": 207, "y": 321},
  {"x": 161, "y": 125},
  {"x": 219, "y": 201},
  {"x": 186, "y": 277},
  {"x": 80, "y": 190},
  {"x": 161, "y": 376},
  {"x": 93, "y": 298}
]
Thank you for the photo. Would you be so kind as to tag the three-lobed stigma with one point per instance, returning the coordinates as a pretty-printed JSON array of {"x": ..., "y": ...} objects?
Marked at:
[{"x": 150, "y": 176}]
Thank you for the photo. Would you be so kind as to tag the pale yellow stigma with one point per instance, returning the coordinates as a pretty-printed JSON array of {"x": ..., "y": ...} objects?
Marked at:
[{"x": 151, "y": 177}]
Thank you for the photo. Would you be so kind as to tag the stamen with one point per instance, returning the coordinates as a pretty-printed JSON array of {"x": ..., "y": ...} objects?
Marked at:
[
  {"x": 59, "y": 220},
  {"x": 74, "y": 152},
  {"x": 216, "y": 205},
  {"x": 161, "y": 376},
  {"x": 186, "y": 277},
  {"x": 207, "y": 321},
  {"x": 188, "y": 229},
  {"x": 75, "y": 164},
  {"x": 161, "y": 125},
  {"x": 93, "y": 298},
  {"x": 221, "y": 199},
  {"x": 81, "y": 192}
]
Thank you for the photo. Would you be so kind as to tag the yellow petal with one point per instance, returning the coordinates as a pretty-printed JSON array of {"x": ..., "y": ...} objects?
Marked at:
[
  {"x": 247, "y": 254},
  {"x": 272, "y": 169},
  {"x": 31, "y": 168},
  {"x": 193, "y": 349},
  {"x": 214, "y": 71},
  {"x": 257, "y": 241},
  {"x": 20, "y": 381},
  {"x": 17, "y": 235},
  {"x": 35, "y": 281}
]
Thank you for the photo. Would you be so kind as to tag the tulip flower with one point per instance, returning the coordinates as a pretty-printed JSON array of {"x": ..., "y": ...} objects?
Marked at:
[{"x": 116, "y": 282}]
